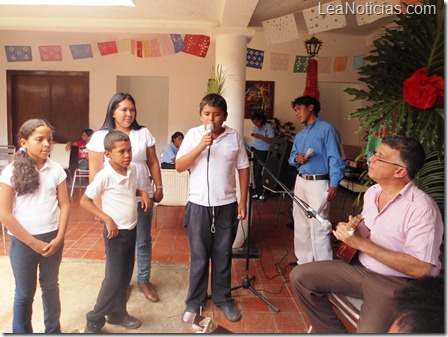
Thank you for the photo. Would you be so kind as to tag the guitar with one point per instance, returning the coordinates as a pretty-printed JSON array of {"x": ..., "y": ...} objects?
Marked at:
[{"x": 345, "y": 252}]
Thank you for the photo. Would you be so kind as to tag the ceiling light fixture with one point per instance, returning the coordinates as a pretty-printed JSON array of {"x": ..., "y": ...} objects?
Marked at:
[
  {"x": 127, "y": 3},
  {"x": 313, "y": 46}
]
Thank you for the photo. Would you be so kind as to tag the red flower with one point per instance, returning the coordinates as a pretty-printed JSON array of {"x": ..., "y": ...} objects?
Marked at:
[{"x": 423, "y": 91}]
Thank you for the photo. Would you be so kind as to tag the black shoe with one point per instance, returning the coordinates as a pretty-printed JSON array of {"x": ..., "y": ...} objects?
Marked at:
[
  {"x": 92, "y": 328},
  {"x": 293, "y": 264},
  {"x": 129, "y": 322},
  {"x": 189, "y": 314},
  {"x": 232, "y": 313}
]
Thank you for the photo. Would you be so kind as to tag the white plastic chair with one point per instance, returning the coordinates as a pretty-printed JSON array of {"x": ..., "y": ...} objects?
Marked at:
[
  {"x": 79, "y": 174},
  {"x": 6, "y": 155},
  {"x": 175, "y": 189},
  {"x": 61, "y": 156}
]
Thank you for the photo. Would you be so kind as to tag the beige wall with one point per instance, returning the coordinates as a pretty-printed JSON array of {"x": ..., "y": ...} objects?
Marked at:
[{"x": 186, "y": 75}]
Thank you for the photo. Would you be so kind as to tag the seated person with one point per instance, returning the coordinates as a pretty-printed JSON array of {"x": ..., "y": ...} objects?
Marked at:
[
  {"x": 420, "y": 307},
  {"x": 398, "y": 241},
  {"x": 168, "y": 160},
  {"x": 83, "y": 154}
]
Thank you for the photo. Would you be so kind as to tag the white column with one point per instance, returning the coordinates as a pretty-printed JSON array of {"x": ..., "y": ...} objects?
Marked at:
[{"x": 231, "y": 46}]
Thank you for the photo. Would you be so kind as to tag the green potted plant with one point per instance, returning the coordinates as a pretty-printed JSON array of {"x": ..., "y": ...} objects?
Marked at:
[{"x": 215, "y": 84}]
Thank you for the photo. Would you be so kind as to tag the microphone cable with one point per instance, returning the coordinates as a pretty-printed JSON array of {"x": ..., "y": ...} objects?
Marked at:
[{"x": 209, "y": 129}]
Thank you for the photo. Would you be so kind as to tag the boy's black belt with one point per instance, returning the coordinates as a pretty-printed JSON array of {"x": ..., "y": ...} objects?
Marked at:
[{"x": 314, "y": 176}]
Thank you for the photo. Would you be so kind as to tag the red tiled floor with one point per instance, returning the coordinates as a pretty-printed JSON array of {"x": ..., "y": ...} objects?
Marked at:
[{"x": 274, "y": 245}]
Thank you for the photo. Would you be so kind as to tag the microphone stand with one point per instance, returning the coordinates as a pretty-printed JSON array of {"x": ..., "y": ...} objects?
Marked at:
[
  {"x": 246, "y": 284},
  {"x": 307, "y": 209}
]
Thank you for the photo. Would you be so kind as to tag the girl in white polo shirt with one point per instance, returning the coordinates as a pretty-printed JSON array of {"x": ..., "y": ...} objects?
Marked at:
[
  {"x": 34, "y": 206},
  {"x": 213, "y": 153}
]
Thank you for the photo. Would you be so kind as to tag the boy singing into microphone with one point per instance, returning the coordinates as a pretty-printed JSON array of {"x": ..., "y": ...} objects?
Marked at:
[{"x": 212, "y": 212}]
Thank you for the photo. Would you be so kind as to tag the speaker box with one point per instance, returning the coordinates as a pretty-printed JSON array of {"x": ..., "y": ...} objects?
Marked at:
[{"x": 277, "y": 164}]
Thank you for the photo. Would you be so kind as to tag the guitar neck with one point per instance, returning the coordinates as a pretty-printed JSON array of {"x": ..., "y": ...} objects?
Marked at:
[{"x": 354, "y": 222}]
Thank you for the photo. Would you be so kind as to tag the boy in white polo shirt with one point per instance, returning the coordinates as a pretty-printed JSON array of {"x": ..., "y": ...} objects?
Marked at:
[
  {"x": 116, "y": 183},
  {"x": 213, "y": 153}
]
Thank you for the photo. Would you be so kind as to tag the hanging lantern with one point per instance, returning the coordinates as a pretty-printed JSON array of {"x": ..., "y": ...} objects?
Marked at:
[
  {"x": 313, "y": 46},
  {"x": 311, "y": 86}
]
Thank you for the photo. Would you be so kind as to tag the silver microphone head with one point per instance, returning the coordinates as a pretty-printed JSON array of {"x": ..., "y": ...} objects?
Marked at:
[
  {"x": 309, "y": 152},
  {"x": 326, "y": 226},
  {"x": 210, "y": 127}
]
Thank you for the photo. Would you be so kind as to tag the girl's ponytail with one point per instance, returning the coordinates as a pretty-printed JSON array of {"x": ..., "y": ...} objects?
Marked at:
[{"x": 25, "y": 177}]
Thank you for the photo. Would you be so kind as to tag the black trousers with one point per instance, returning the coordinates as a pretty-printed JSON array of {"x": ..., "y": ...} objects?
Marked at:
[
  {"x": 111, "y": 301},
  {"x": 206, "y": 246}
]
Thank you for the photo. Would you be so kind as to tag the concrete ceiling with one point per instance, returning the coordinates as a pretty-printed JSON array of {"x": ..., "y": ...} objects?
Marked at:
[{"x": 167, "y": 16}]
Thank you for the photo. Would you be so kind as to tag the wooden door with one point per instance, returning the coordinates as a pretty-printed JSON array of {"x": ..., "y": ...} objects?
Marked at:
[{"x": 62, "y": 98}]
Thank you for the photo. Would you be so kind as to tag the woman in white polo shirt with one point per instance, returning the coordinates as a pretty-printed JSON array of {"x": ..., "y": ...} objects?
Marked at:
[{"x": 122, "y": 116}]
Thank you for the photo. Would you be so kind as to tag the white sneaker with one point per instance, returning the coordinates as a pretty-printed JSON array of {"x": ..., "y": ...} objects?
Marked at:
[
  {"x": 262, "y": 197},
  {"x": 255, "y": 196}
]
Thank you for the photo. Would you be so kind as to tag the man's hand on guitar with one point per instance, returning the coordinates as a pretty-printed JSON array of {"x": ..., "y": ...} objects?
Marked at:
[{"x": 349, "y": 237}]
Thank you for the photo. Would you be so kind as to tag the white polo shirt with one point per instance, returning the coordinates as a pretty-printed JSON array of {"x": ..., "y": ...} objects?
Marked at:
[
  {"x": 118, "y": 195},
  {"x": 140, "y": 141},
  {"x": 38, "y": 212},
  {"x": 216, "y": 181}
]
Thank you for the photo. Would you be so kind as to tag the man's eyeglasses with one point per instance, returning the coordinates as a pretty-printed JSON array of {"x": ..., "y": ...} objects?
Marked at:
[{"x": 385, "y": 161}]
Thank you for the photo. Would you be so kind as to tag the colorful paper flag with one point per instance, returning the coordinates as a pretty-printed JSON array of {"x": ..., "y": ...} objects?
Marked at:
[
  {"x": 301, "y": 64},
  {"x": 366, "y": 11},
  {"x": 282, "y": 29},
  {"x": 107, "y": 48},
  {"x": 137, "y": 48},
  {"x": 196, "y": 45},
  {"x": 324, "y": 64},
  {"x": 50, "y": 53},
  {"x": 178, "y": 42},
  {"x": 324, "y": 17},
  {"x": 81, "y": 51},
  {"x": 279, "y": 62},
  {"x": 155, "y": 48},
  {"x": 254, "y": 58},
  {"x": 18, "y": 53},
  {"x": 166, "y": 45},
  {"x": 124, "y": 45},
  {"x": 358, "y": 62},
  {"x": 340, "y": 63},
  {"x": 146, "y": 46}
]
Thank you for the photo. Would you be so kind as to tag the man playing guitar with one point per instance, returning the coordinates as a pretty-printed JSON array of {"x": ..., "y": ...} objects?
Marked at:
[{"x": 403, "y": 231}]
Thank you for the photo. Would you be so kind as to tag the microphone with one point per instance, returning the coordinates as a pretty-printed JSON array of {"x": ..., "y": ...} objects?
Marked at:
[
  {"x": 325, "y": 223},
  {"x": 309, "y": 153},
  {"x": 210, "y": 127}
]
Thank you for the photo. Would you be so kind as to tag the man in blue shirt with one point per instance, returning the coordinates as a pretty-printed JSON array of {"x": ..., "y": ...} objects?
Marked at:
[{"x": 316, "y": 155}]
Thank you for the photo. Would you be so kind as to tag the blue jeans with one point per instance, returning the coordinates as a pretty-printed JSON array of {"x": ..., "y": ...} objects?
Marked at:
[
  {"x": 24, "y": 263},
  {"x": 143, "y": 246}
]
